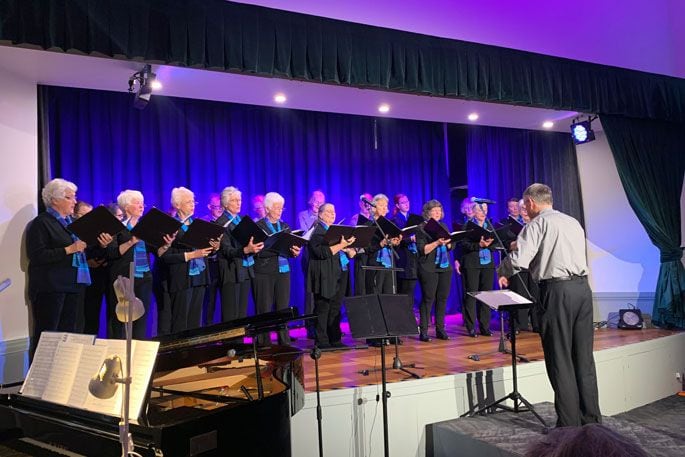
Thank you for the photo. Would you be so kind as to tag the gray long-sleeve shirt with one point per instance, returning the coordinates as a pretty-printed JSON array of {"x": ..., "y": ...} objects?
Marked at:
[{"x": 551, "y": 246}]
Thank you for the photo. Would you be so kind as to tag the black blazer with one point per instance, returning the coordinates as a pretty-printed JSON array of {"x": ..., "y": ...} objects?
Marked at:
[
  {"x": 118, "y": 263},
  {"x": 230, "y": 256},
  {"x": 426, "y": 262},
  {"x": 175, "y": 270},
  {"x": 266, "y": 260},
  {"x": 324, "y": 268},
  {"x": 470, "y": 257},
  {"x": 50, "y": 268},
  {"x": 407, "y": 259}
]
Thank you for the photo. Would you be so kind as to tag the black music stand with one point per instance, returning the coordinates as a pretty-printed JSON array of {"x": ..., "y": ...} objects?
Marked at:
[
  {"x": 381, "y": 316},
  {"x": 510, "y": 302}
]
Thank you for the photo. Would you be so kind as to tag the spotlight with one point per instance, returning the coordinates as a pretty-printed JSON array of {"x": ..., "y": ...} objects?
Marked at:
[
  {"x": 548, "y": 124},
  {"x": 146, "y": 81},
  {"x": 582, "y": 132},
  {"x": 384, "y": 108},
  {"x": 280, "y": 98},
  {"x": 473, "y": 117}
]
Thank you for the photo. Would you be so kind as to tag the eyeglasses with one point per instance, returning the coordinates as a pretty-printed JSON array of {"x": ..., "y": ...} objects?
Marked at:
[{"x": 214, "y": 206}]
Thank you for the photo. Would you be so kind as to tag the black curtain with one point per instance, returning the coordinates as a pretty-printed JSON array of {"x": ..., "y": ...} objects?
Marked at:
[
  {"x": 501, "y": 163},
  {"x": 229, "y": 36},
  {"x": 650, "y": 158}
]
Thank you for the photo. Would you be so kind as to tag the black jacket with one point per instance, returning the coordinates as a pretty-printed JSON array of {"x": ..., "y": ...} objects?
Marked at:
[
  {"x": 118, "y": 263},
  {"x": 266, "y": 260},
  {"x": 50, "y": 268},
  {"x": 426, "y": 262},
  {"x": 470, "y": 257},
  {"x": 324, "y": 268},
  {"x": 175, "y": 270},
  {"x": 230, "y": 256}
]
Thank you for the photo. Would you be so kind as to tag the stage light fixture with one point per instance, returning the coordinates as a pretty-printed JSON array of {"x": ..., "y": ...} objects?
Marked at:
[
  {"x": 384, "y": 108},
  {"x": 280, "y": 98},
  {"x": 142, "y": 83},
  {"x": 473, "y": 117},
  {"x": 581, "y": 131},
  {"x": 547, "y": 124}
]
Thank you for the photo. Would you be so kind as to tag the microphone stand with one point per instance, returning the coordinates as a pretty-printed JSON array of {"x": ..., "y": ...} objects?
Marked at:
[{"x": 499, "y": 245}]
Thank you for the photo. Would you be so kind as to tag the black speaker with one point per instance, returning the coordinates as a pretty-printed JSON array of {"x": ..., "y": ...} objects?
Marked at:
[{"x": 630, "y": 319}]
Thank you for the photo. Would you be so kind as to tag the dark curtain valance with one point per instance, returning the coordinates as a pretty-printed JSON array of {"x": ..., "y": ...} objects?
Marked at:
[{"x": 221, "y": 35}]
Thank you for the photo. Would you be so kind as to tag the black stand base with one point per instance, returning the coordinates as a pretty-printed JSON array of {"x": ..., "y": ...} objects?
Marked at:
[{"x": 396, "y": 364}]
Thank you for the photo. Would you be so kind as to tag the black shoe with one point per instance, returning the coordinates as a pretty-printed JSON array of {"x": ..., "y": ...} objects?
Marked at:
[
  {"x": 423, "y": 337},
  {"x": 339, "y": 344},
  {"x": 323, "y": 345},
  {"x": 441, "y": 335},
  {"x": 472, "y": 334},
  {"x": 486, "y": 332}
]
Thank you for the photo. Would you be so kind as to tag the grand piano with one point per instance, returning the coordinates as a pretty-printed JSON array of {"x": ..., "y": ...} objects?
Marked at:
[{"x": 210, "y": 394}]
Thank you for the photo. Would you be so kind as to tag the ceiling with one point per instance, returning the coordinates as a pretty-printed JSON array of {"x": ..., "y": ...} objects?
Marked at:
[{"x": 60, "y": 69}]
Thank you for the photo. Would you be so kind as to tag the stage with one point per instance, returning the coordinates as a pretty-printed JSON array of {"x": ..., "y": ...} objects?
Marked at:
[{"x": 634, "y": 368}]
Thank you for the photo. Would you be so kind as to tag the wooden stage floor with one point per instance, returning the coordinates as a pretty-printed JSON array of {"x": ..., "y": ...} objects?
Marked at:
[{"x": 341, "y": 369}]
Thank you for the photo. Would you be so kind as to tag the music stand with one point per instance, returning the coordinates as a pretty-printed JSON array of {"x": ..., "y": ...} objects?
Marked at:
[
  {"x": 506, "y": 301},
  {"x": 381, "y": 316}
]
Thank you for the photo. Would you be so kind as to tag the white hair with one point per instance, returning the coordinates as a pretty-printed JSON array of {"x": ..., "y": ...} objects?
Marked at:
[
  {"x": 271, "y": 198},
  {"x": 127, "y": 196},
  {"x": 227, "y": 193},
  {"x": 177, "y": 193},
  {"x": 56, "y": 189},
  {"x": 378, "y": 197}
]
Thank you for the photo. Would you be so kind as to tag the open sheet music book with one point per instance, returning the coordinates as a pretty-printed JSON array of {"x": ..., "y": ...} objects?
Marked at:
[{"x": 64, "y": 363}]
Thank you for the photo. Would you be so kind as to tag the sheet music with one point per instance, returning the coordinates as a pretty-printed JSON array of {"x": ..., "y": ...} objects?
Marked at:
[
  {"x": 499, "y": 298},
  {"x": 516, "y": 298},
  {"x": 90, "y": 363},
  {"x": 63, "y": 372},
  {"x": 110, "y": 406},
  {"x": 142, "y": 362},
  {"x": 37, "y": 377}
]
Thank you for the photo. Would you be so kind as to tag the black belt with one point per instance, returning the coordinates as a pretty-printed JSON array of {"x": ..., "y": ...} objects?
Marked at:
[{"x": 562, "y": 278}]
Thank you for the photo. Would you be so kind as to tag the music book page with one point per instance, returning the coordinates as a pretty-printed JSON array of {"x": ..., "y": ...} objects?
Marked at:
[
  {"x": 143, "y": 363},
  {"x": 63, "y": 372},
  {"x": 90, "y": 363},
  {"x": 38, "y": 373}
]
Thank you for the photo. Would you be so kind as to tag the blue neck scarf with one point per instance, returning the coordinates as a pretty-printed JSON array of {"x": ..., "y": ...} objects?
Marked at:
[
  {"x": 140, "y": 259},
  {"x": 383, "y": 257},
  {"x": 441, "y": 257},
  {"x": 248, "y": 261},
  {"x": 484, "y": 255},
  {"x": 283, "y": 265},
  {"x": 197, "y": 266},
  {"x": 79, "y": 260}
]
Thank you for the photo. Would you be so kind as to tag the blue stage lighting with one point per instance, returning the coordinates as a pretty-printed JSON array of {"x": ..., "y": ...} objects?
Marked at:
[{"x": 582, "y": 132}]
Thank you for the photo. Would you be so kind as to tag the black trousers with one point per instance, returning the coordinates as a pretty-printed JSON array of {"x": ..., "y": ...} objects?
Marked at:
[
  {"x": 328, "y": 314},
  {"x": 476, "y": 279},
  {"x": 271, "y": 290},
  {"x": 234, "y": 300},
  {"x": 163, "y": 301},
  {"x": 360, "y": 274},
  {"x": 379, "y": 282},
  {"x": 435, "y": 287},
  {"x": 186, "y": 308},
  {"x": 407, "y": 287},
  {"x": 567, "y": 335},
  {"x": 53, "y": 312},
  {"x": 523, "y": 284},
  {"x": 142, "y": 288},
  {"x": 209, "y": 301},
  {"x": 92, "y": 301}
]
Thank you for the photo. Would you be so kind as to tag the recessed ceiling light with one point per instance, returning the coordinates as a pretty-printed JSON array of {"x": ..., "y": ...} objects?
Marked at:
[
  {"x": 280, "y": 98},
  {"x": 548, "y": 124},
  {"x": 156, "y": 85},
  {"x": 473, "y": 117},
  {"x": 383, "y": 108}
]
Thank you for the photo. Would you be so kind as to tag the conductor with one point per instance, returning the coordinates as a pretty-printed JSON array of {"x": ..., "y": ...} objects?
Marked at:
[{"x": 552, "y": 247}]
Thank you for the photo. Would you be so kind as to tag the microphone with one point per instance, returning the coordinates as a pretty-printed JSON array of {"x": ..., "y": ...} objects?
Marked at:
[
  {"x": 368, "y": 202},
  {"x": 483, "y": 200}
]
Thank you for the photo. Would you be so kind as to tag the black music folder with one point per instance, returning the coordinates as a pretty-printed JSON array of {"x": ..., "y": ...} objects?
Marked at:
[
  {"x": 154, "y": 224},
  {"x": 200, "y": 233},
  {"x": 246, "y": 229},
  {"x": 91, "y": 225},
  {"x": 362, "y": 233},
  {"x": 362, "y": 220},
  {"x": 393, "y": 231},
  {"x": 437, "y": 231},
  {"x": 514, "y": 226},
  {"x": 281, "y": 242}
]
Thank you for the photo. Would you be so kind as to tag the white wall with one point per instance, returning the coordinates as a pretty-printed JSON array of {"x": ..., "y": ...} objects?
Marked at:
[
  {"x": 624, "y": 264},
  {"x": 18, "y": 182}
]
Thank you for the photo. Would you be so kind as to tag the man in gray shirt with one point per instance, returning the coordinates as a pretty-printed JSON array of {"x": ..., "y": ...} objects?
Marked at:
[{"x": 552, "y": 247}]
